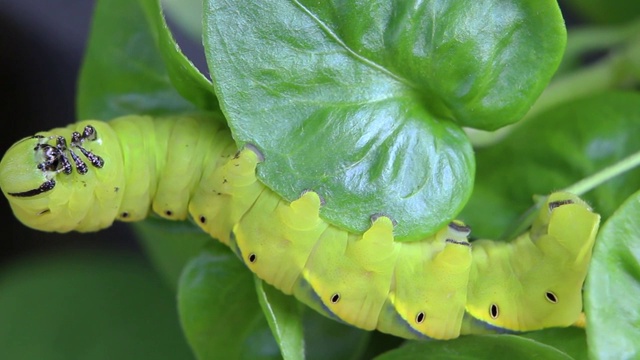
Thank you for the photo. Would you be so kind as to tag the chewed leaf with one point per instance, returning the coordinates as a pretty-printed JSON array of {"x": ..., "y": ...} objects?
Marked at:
[
  {"x": 614, "y": 278},
  {"x": 363, "y": 102}
]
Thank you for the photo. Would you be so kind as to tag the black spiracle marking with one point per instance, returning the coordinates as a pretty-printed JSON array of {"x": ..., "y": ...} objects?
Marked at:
[
  {"x": 494, "y": 312},
  {"x": 551, "y": 297},
  {"x": 452, "y": 241},
  {"x": 460, "y": 227},
  {"x": 335, "y": 298},
  {"x": 252, "y": 258},
  {"x": 420, "y": 317},
  {"x": 255, "y": 150},
  {"x": 556, "y": 204}
]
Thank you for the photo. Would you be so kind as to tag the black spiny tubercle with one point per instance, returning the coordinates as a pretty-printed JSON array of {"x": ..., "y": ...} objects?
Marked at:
[{"x": 56, "y": 160}]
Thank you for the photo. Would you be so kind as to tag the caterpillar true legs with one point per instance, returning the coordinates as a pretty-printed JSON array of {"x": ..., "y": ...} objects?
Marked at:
[{"x": 440, "y": 287}]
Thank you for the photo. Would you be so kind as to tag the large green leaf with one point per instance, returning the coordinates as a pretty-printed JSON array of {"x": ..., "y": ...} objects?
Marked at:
[
  {"x": 552, "y": 151},
  {"x": 87, "y": 305},
  {"x": 490, "y": 347},
  {"x": 613, "y": 286},
  {"x": 359, "y": 100}
]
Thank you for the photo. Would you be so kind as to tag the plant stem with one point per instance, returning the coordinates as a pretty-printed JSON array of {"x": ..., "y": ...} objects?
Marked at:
[
  {"x": 581, "y": 187},
  {"x": 602, "y": 176}
]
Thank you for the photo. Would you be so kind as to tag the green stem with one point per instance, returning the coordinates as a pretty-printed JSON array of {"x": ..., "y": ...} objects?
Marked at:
[
  {"x": 581, "y": 187},
  {"x": 582, "y": 40},
  {"x": 602, "y": 176}
]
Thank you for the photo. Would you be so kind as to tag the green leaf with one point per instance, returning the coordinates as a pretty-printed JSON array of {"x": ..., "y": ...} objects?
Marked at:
[
  {"x": 222, "y": 318},
  {"x": 572, "y": 340},
  {"x": 123, "y": 71},
  {"x": 289, "y": 323},
  {"x": 219, "y": 310},
  {"x": 185, "y": 14},
  {"x": 552, "y": 151},
  {"x": 285, "y": 319},
  {"x": 87, "y": 305},
  {"x": 170, "y": 245},
  {"x": 329, "y": 339},
  {"x": 490, "y": 347},
  {"x": 613, "y": 286},
  {"x": 357, "y": 100},
  {"x": 185, "y": 77}
]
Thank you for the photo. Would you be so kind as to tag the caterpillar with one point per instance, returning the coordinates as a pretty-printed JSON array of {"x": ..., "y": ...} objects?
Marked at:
[{"x": 85, "y": 176}]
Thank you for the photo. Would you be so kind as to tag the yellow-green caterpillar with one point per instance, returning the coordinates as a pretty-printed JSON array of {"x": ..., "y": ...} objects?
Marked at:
[{"x": 86, "y": 175}]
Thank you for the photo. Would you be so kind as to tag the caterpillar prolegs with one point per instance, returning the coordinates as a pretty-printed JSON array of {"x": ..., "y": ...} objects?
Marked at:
[{"x": 86, "y": 175}]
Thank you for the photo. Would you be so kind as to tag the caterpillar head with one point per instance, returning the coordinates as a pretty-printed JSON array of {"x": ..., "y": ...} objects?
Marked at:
[
  {"x": 535, "y": 282},
  {"x": 54, "y": 180}
]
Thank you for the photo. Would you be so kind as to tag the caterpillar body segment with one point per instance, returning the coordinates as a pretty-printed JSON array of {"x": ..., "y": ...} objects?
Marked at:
[
  {"x": 438, "y": 288},
  {"x": 434, "y": 306},
  {"x": 226, "y": 192},
  {"x": 545, "y": 272}
]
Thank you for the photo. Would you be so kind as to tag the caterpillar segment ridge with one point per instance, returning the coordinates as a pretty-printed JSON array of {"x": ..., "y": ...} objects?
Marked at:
[{"x": 85, "y": 176}]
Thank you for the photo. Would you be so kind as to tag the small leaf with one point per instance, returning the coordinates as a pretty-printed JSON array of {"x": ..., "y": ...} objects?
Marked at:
[
  {"x": 490, "y": 347},
  {"x": 185, "y": 77},
  {"x": 284, "y": 315},
  {"x": 123, "y": 71},
  {"x": 613, "y": 286},
  {"x": 185, "y": 14},
  {"x": 219, "y": 310}
]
